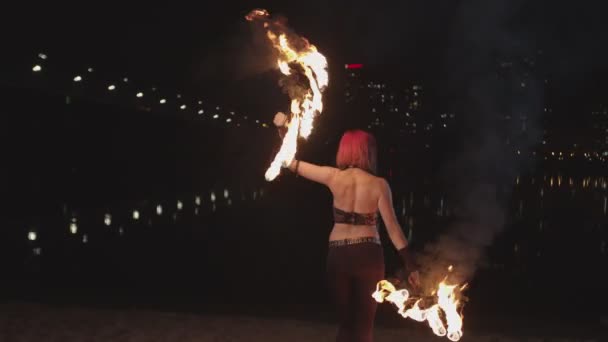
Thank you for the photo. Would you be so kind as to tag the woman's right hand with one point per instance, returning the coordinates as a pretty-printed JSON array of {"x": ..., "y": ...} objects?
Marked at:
[{"x": 280, "y": 119}]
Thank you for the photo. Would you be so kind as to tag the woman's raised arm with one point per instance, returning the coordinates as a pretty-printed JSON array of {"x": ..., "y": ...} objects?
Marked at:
[{"x": 316, "y": 173}]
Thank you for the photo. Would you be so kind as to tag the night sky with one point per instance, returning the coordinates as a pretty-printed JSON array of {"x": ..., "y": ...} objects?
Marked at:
[{"x": 196, "y": 45}]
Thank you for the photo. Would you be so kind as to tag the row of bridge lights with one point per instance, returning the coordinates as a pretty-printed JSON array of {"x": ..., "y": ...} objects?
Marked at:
[{"x": 112, "y": 87}]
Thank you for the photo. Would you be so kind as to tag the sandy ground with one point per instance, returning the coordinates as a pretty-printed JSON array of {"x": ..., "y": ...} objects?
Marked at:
[{"x": 33, "y": 322}]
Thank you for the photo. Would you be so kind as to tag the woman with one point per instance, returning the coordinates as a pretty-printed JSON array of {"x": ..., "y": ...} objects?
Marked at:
[{"x": 355, "y": 260}]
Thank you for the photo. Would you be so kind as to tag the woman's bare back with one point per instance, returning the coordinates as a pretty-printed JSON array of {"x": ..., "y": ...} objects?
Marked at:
[{"x": 355, "y": 190}]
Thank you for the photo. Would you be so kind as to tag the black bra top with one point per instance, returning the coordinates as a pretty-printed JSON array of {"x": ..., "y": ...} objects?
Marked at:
[{"x": 341, "y": 216}]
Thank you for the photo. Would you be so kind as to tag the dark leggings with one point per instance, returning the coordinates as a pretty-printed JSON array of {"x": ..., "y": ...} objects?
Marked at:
[{"x": 353, "y": 272}]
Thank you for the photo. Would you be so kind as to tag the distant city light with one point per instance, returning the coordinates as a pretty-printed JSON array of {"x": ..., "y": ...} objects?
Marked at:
[
  {"x": 197, "y": 200},
  {"x": 216, "y": 116},
  {"x": 217, "y": 108},
  {"x": 37, "y": 251},
  {"x": 140, "y": 94},
  {"x": 135, "y": 215},
  {"x": 182, "y": 107},
  {"x": 77, "y": 78},
  {"x": 231, "y": 113},
  {"x": 163, "y": 101},
  {"x": 121, "y": 231},
  {"x": 107, "y": 220},
  {"x": 159, "y": 209},
  {"x": 180, "y": 205},
  {"x": 85, "y": 238},
  {"x": 213, "y": 197},
  {"x": 125, "y": 80},
  {"x": 201, "y": 112},
  {"x": 200, "y": 102},
  {"x": 226, "y": 193},
  {"x": 179, "y": 96},
  {"x": 228, "y": 120},
  {"x": 353, "y": 66},
  {"x": 73, "y": 228},
  {"x": 32, "y": 236},
  {"x": 196, "y": 211},
  {"x": 36, "y": 68},
  {"x": 42, "y": 56},
  {"x": 111, "y": 87},
  {"x": 90, "y": 69}
]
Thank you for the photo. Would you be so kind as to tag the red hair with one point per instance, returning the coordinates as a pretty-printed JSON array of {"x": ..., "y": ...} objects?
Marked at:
[{"x": 357, "y": 149}]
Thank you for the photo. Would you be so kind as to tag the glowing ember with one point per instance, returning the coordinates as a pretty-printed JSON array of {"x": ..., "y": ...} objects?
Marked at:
[
  {"x": 295, "y": 56},
  {"x": 443, "y": 316}
]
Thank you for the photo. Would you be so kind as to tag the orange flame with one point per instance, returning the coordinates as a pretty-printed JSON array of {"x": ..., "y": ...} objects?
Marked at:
[
  {"x": 443, "y": 317},
  {"x": 305, "y": 107}
]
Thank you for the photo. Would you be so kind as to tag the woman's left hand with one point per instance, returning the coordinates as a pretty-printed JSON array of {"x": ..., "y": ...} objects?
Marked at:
[{"x": 414, "y": 280}]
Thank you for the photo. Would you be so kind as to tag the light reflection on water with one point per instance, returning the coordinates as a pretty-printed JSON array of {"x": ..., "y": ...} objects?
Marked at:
[{"x": 551, "y": 205}]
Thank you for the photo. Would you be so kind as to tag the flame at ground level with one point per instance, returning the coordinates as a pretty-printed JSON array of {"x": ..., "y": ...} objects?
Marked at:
[{"x": 442, "y": 316}]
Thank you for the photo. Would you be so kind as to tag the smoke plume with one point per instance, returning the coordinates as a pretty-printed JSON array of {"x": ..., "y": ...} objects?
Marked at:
[{"x": 492, "y": 71}]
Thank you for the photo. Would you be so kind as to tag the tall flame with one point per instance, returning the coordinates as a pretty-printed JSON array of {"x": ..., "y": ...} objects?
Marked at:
[
  {"x": 443, "y": 317},
  {"x": 295, "y": 51}
]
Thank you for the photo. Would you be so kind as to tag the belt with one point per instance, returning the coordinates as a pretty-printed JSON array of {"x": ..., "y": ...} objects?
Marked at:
[{"x": 346, "y": 242}]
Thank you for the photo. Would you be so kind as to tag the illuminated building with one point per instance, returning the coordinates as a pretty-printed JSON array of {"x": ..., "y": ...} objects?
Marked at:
[
  {"x": 599, "y": 122},
  {"x": 377, "y": 104}
]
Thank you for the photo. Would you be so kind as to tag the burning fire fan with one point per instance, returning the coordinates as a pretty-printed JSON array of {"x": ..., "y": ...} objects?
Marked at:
[
  {"x": 296, "y": 58},
  {"x": 442, "y": 309}
]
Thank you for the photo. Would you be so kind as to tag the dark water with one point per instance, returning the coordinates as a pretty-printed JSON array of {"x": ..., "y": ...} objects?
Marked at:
[{"x": 250, "y": 246}]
